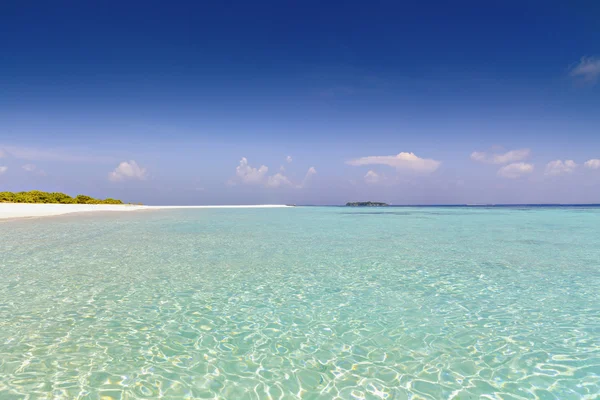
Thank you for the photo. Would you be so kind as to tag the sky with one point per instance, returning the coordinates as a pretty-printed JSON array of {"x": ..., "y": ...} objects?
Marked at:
[{"x": 302, "y": 102}]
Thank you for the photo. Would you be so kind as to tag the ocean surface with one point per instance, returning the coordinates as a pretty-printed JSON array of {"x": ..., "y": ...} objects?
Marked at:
[{"x": 307, "y": 302}]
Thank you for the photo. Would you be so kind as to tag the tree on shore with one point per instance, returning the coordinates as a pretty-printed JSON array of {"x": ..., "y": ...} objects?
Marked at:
[{"x": 37, "y": 196}]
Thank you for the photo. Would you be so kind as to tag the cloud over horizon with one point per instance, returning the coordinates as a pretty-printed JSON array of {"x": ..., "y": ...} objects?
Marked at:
[
  {"x": 402, "y": 162},
  {"x": 127, "y": 170},
  {"x": 594, "y": 163},
  {"x": 515, "y": 170},
  {"x": 278, "y": 180},
  {"x": 501, "y": 158},
  {"x": 372, "y": 177},
  {"x": 309, "y": 174},
  {"x": 246, "y": 174},
  {"x": 559, "y": 167},
  {"x": 249, "y": 175}
]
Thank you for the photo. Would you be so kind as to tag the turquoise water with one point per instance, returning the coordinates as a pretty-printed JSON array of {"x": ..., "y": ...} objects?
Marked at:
[{"x": 395, "y": 303}]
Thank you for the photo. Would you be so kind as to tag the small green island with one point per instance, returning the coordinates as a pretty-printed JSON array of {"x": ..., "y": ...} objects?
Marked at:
[
  {"x": 37, "y": 196},
  {"x": 366, "y": 204}
]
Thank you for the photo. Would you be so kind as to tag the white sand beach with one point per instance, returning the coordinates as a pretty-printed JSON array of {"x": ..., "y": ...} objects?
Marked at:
[{"x": 28, "y": 210}]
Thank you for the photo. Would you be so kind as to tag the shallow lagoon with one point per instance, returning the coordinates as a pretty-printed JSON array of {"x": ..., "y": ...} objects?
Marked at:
[{"x": 308, "y": 302}]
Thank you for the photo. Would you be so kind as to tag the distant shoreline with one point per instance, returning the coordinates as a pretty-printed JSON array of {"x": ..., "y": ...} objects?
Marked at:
[
  {"x": 540, "y": 205},
  {"x": 31, "y": 210}
]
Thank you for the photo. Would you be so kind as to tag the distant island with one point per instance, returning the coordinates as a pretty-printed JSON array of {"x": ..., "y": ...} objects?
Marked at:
[
  {"x": 36, "y": 196},
  {"x": 366, "y": 204}
]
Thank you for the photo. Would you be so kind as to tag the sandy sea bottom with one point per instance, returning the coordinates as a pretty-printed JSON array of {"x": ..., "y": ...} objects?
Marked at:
[{"x": 394, "y": 303}]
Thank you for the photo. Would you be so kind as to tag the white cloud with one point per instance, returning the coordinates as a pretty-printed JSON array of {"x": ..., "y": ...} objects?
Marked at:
[
  {"x": 3, "y": 170},
  {"x": 278, "y": 180},
  {"x": 61, "y": 155},
  {"x": 587, "y": 70},
  {"x": 249, "y": 175},
  {"x": 402, "y": 161},
  {"x": 288, "y": 159},
  {"x": 309, "y": 174},
  {"x": 500, "y": 158},
  {"x": 515, "y": 170},
  {"x": 479, "y": 156},
  {"x": 2, "y": 154},
  {"x": 594, "y": 163},
  {"x": 559, "y": 167},
  {"x": 127, "y": 170},
  {"x": 372, "y": 177}
]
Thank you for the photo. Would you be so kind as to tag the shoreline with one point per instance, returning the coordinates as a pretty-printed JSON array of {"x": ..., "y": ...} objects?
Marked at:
[{"x": 32, "y": 210}]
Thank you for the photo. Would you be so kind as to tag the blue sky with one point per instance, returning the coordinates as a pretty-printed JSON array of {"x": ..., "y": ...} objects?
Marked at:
[{"x": 203, "y": 103}]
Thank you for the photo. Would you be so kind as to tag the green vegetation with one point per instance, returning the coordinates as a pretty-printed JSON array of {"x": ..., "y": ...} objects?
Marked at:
[
  {"x": 366, "y": 204},
  {"x": 36, "y": 196}
]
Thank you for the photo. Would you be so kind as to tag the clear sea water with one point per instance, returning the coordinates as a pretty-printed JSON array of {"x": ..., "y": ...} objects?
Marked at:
[{"x": 312, "y": 303}]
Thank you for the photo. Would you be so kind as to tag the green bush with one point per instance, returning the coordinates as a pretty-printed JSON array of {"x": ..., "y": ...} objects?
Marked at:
[
  {"x": 7, "y": 197},
  {"x": 37, "y": 196},
  {"x": 111, "y": 201},
  {"x": 83, "y": 199}
]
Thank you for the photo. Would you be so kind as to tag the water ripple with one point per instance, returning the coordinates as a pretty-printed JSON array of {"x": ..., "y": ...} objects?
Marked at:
[{"x": 302, "y": 303}]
